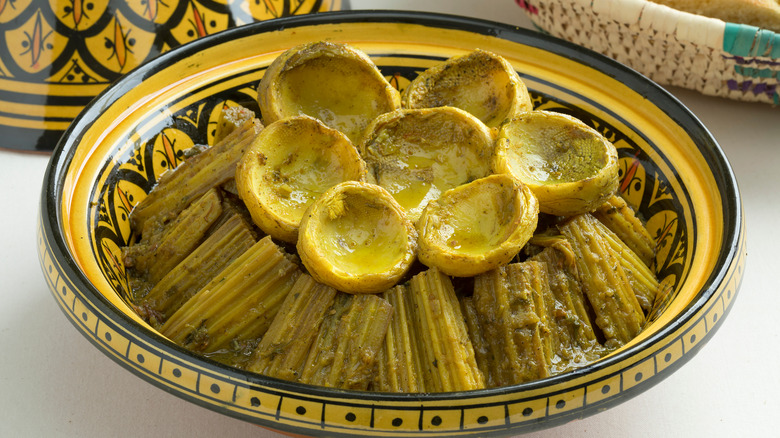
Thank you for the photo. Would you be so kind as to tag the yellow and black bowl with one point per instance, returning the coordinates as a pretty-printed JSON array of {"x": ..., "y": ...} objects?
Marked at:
[
  {"x": 111, "y": 156},
  {"x": 55, "y": 56}
]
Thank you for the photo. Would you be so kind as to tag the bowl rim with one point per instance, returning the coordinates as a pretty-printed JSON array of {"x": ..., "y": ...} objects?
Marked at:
[{"x": 62, "y": 157}]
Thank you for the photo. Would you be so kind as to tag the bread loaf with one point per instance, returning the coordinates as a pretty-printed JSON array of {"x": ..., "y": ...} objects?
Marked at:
[{"x": 761, "y": 13}]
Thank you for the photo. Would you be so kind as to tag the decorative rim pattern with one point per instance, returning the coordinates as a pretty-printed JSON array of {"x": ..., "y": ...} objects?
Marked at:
[{"x": 310, "y": 410}]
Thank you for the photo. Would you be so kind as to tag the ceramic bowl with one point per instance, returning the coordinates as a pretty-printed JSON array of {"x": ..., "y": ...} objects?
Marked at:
[
  {"x": 55, "y": 56},
  {"x": 110, "y": 157}
]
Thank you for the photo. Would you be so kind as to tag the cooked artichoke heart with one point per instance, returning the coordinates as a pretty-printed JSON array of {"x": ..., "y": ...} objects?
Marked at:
[
  {"x": 481, "y": 83},
  {"x": 570, "y": 167},
  {"x": 291, "y": 163},
  {"x": 335, "y": 83},
  {"x": 478, "y": 226},
  {"x": 418, "y": 154},
  {"x": 356, "y": 238}
]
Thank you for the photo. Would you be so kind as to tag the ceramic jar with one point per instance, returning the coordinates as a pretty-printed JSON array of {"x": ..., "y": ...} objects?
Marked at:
[{"x": 56, "y": 55}]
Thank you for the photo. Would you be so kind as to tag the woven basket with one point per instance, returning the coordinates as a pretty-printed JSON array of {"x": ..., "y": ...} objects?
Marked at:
[{"x": 716, "y": 58}]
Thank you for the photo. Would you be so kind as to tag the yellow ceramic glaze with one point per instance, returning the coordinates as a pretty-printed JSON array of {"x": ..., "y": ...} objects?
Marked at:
[
  {"x": 670, "y": 168},
  {"x": 59, "y": 54}
]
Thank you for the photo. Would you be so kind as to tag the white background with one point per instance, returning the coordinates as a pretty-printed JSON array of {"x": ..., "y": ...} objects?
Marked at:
[{"x": 53, "y": 382}]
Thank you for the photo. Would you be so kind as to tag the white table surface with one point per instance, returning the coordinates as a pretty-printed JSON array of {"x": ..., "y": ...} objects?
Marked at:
[{"x": 53, "y": 382}]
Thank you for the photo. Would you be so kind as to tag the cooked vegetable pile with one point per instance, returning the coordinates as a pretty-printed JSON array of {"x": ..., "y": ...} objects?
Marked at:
[{"x": 448, "y": 238}]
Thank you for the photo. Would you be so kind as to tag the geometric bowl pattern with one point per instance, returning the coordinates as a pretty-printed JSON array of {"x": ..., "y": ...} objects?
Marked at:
[
  {"x": 55, "y": 56},
  {"x": 671, "y": 170}
]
